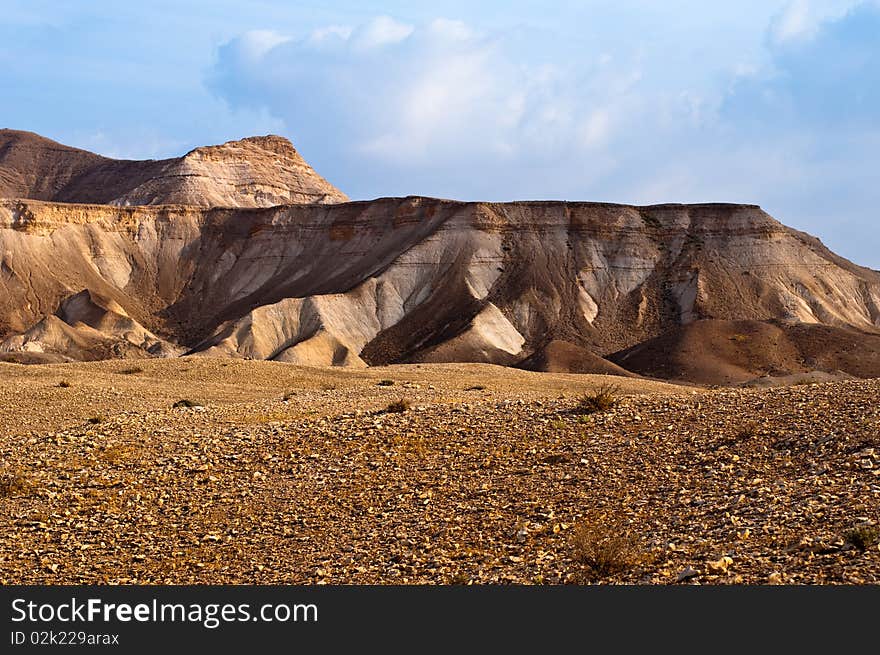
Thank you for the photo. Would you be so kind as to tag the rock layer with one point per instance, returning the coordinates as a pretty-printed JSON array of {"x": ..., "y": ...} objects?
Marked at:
[
  {"x": 422, "y": 280},
  {"x": 252, "y": 172}
]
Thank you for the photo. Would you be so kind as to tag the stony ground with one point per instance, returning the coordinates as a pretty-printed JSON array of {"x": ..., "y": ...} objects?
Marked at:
[{"x": 293, "y": 475}]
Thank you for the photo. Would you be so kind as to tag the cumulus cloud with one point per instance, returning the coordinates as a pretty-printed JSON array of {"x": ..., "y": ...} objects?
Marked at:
[
  {"x": 381, "y": 31},
  {"x": 436, "y": 96},
  {"x": 798, "y": 20},
  {"x": 815, "y": 111},
  {"x": 444, "y": 109},
  {"x": 826, "y": 75}
]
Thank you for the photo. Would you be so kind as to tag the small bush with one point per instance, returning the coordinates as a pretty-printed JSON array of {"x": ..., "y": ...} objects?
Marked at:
[
  {"x": 131, "y": 371},
  {"x": 64, "y": 384},
  {"x": 114, "y": 454},
  {"x": 747, "y": 431},
  {"x": 398, "y": 406},
  {"x": 476, "y": 387},
  {"x": 185, "y": 402},
  {"x": 604, "y": 398},
  {"x": 98, "y": 418},
  {"x": 864, "y": 536},
  {"x": 13, "y": 484},
  {"x": 603, "y": 548},
  {"x": 385, "y": 383}
]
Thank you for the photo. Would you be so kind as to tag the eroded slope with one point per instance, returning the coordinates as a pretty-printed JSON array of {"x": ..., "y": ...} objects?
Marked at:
[{"x": 421, "y": 280}]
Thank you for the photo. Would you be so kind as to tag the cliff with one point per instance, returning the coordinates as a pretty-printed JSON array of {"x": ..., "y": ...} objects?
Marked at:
[
  {"x": 419, "y": 279},
  {"x": 252, "y": 172}
]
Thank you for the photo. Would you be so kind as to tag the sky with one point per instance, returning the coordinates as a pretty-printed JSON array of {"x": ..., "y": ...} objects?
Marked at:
[{"x": 772, "y": 102}]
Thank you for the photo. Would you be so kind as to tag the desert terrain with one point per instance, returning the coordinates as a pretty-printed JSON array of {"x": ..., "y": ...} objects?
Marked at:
[
  {"x": 483, "y": 474},
  {"x": 243, "y": 251},
  {"x": 216, "y": 369}
]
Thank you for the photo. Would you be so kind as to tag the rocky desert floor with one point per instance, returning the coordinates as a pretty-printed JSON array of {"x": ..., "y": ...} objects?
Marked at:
[{"x": 283, "y": 474}]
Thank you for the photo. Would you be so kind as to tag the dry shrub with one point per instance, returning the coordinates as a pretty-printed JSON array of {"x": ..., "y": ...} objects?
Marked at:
[
  {"x": 747, "y": 431},
  {"x": 186, "y": 402},
  {"x": 604, "y": 546},
  {"x": 398, "y": 406},
  {"x": 115, "y": 453},
  {"x": 604, "y": 398},
  {"x": 863, "y": 536},
  {"x": 14, "y": 484}
]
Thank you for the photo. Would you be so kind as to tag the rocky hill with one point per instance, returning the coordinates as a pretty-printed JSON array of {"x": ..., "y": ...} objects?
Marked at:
[
  {"x": 253, "y": 172},
  {"x": 544, "y": 285}
]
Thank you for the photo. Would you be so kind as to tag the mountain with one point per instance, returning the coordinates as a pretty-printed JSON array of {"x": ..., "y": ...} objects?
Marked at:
[
  {"x": 253, "y": 172},
  {"x": 158, "y": 259},
  {"x": 581, "y": 287}
]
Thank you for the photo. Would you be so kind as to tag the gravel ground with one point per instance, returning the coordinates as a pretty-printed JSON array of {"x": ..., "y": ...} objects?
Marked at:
[{"x": 103, "y": 481}]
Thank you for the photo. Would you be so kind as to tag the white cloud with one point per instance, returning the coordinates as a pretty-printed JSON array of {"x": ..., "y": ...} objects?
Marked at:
[
  {"x": 443, "y": 109},
  {"x": 797, "y": 20},
  {"x": 329, "y": 34},
  {"x": 436, "y": 94},
  {"x": 453, "y": 30},
  {"x": 596, "y": 129},
  {"x": 379, "y": 32},
  {"x": 255, "y": 44}
]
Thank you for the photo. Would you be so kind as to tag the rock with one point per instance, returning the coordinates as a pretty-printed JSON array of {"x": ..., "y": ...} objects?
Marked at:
[
  {"x": 687, "y": 574},
  {"x": 720, "y": 566}
]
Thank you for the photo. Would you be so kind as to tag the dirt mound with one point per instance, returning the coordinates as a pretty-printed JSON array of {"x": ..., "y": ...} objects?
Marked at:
[
  {"x": 252, "y": 172},
  {"x": 87, "y": 327},
  {"x": 563, "y": 357},
  {"x": 735, "y": 352}
]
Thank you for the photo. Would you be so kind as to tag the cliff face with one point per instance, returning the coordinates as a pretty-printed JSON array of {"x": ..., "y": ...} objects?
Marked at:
[
  {"x": 253, "y": 172},
  {"x": 412, "y": 279},
  {"x": 242, "y": 250}
]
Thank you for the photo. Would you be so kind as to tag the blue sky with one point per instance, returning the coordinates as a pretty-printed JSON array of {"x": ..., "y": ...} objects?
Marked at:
[{"x": 775, "y": 102}]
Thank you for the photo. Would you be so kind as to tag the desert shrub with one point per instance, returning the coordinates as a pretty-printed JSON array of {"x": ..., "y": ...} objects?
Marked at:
[
  {"x": 14, "y": 484},
  {"x": 476, "y": 387},
  {"x": 186, "y": 402},
  {"x": 603, "y": 547},
  {"x": 97, "y": 418},
  {"x": 863, "y": 536},
  {"x": 115, "y": 453},
  {"x": 385, "y": 383},
  {"x": 134, "y": 370},
  {"x": 746, "y": 431},
  {"x": 604, "y": 398},
  {"x": 64, "y": 384},
  {"x": 398, "y": 406}
]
